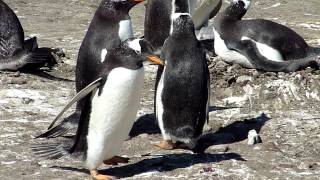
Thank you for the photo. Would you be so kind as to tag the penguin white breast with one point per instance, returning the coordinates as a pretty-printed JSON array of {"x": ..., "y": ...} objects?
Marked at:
[
  {"x": 112, "y": 114},
  {"x": 159, "y": 107},
  {"x": 228, "y": 55},
  {"x": 125, "y": 29},
  {"x": 266, "y": 51}
]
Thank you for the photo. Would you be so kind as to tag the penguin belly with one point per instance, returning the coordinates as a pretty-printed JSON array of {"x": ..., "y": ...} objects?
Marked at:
[
  {"x": 159, "y": 107},
  {"x": 232, "y": 56},
  {"x": 112, "y": 114}
]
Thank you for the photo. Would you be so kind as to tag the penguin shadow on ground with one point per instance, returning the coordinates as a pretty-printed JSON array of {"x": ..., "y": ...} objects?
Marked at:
[
  {"x": 48, "y": 75},
  {"x": 234, "y": 132},
  {"x": 162, "y": 163},
  {"x": 146, "y": 124}
]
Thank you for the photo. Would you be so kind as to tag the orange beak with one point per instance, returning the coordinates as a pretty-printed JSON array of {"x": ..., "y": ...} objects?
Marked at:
[{"x": 155, "y": 60}]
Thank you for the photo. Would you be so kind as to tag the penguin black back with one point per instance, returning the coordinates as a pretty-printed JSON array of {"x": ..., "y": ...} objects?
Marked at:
[
  {"x": 157, "y": 21},
  {"x": 182, "y": 94},
  {"x": 11, "y": 32}
]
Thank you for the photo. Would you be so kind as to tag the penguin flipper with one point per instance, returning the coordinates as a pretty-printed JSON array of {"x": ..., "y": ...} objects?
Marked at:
[
  {"x": 67, "y": 124},
  {"x": 249, "y": 49},
  {"x": 50, "y": 151},
  {"x": 84, "y": 92}
]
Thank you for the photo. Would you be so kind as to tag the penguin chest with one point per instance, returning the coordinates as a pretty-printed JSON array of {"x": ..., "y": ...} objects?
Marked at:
[
  {"x": 113, "y": 112},
  {"x": 228, "y": 55},
  {"x": 232, "y": 56}
]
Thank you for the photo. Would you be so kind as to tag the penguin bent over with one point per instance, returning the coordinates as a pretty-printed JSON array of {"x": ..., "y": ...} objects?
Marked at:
[
  {"x": 111, "y": 105},
  {"x": 18, "y": 53},
  {"x": 182, "y": 98}
]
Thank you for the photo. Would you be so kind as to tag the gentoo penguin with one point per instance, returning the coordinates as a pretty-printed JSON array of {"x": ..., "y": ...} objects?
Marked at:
[
  {"x": 110, "y": 26},
  {"x": 111, "y": 105},
  {"x": 16, "y": 53},
  {"x": 259, "y": 43},
  {"x": 183, "y": 91},
  {"x": 158, "y": 20}
]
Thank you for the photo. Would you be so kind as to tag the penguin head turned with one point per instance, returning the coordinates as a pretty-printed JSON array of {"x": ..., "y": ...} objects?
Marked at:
[
  {"x": 131, "y": 54},
  {"x": 115, "y": 7},
  {"x": 182, "y": 24},
  {"x": 242, "y": 3}
]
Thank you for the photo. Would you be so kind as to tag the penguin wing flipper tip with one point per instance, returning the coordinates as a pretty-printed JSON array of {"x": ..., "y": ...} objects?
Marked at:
[{"x": 49, "y": 151}]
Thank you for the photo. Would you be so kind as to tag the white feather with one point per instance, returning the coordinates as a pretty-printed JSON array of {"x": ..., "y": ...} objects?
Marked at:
[
  {"x": 104, "y": 52},
  {"x": 113, "y": 114},
  {"x": 267, "y": 51},
  {"x": 125, "y": 29},
  {"x": 228, "y": 55},
  {"x": 135, "y": 45}
]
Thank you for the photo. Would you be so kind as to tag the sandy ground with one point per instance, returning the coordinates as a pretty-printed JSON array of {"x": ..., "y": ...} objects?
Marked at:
[{"x": 282, "y": 108}]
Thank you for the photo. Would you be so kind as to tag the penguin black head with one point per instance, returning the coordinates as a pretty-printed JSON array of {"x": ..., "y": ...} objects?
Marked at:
[
  {"x": 130, "y": 54},
  {"x": 182, "y": 24},
  {"x": 115, "y": 7},
  {"x": 237, "y": 9},
  {"x": 242, "y": 3}
]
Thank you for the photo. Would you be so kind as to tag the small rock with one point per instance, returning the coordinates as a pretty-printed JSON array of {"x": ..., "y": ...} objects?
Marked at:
[
  {"x": 253, "y": 137},
  {"x": 27, "y": 100},
  {"x": 244, "y": 79}
]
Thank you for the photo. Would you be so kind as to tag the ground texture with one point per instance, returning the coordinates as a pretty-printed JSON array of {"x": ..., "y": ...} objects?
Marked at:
[{"x": 282, "y": 108}]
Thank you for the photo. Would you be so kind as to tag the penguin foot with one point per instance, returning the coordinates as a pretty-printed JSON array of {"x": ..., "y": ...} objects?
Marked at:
[
  {"x": 95, "y": 174},
  {"x": 167, "y": 145},
  {"x": 116, "y": 160}
]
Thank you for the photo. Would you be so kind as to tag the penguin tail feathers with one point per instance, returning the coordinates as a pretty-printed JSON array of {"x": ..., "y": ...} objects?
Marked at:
[
  {"x": 184, "y": 132},
  {"x": 42, "y": 57},
  {"x": 50, "y": 151}
]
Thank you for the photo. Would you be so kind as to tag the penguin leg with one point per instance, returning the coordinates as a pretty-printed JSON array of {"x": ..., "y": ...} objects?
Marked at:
[
  {"x": 115, "y": 160},
  {"x": 165, "y": 144},
  {"x": 95, "y": 174}
]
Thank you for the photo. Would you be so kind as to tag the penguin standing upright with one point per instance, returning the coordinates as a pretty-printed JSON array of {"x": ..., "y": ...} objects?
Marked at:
[
  {"x": 260, "y": 43},
  {"x": 182, "y": 98},
  {"x": 111, "y": 105},
  {"x": 16, "y": 53},
  {"x": 158, "y": 20},
  {"x": 110, "y": 26}
]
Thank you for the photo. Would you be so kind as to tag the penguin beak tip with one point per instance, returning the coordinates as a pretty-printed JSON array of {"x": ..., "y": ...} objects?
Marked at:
[{"x": 155, "y": 60}]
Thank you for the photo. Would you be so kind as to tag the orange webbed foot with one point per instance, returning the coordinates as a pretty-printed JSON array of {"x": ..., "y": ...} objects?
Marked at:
[
  {"x": 167, "y": 145},
  {"x": 97, "y": 176}
]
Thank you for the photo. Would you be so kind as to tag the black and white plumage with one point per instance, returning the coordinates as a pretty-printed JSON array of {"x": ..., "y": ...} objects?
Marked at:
[
  {"x": 110, "y": 26},
  {"x": 259, "y": 43},
  {"x": 16, "y": 53},
  {"x": 111, "y": 105},
  {"x": 182, "y": 98}
]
